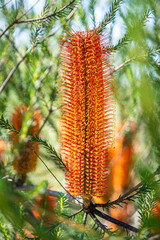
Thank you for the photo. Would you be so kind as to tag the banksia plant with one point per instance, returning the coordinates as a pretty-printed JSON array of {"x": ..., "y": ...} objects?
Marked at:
[
  {"x": 88, "y": 112},
  {"x": 26, "y": 160}
]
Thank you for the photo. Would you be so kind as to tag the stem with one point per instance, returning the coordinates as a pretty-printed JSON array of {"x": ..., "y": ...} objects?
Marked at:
[
  {"x": 115, "y": 221},
  {"x": 85, "y": 218},
  {"x": 123, "y": 197},
  {"x": 13, "y": 71},
  {"x": 76, "y": 213},
  {"x": 95, "y": 219},
  {"x": 47, "y": 192},
  {"x": 16, "y": 20},
  {"x": 132, "y": 59},
  {"x": 46, "y": 17},
  {"x": 54, "y": 176}
]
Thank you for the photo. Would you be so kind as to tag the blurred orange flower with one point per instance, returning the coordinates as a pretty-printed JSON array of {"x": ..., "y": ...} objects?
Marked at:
[{"x": 26, "y": 160}]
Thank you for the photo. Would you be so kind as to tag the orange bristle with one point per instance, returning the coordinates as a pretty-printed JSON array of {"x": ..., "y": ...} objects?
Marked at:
[
  {"x": 88, "y": 109},
  {"x": 26, "y": 161}
]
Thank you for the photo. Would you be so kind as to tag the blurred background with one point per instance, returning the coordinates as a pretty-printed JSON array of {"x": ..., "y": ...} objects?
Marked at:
[{"x": 134, "y": 34}]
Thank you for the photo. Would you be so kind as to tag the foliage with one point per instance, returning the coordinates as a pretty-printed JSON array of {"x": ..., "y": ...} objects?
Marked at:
[{"x": 30, "y": 46}]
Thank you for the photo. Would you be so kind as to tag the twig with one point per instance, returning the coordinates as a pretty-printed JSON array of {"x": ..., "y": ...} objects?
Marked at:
[
  {"x": 132, "y": 59},
  {"x": 51, "y": 172},
  {"x": 48, "y": 192},
  {"x": 123, "y": 197},
  {"x": 95, "y": 219},
  {"x": 68, "y": 18},
  {"x": 13, "y": 71},
  {"x": 16, "y": 21},
  {"x": 54, "y": 176},
  {"x": 4, "y": 5},
  {"x": 73, "y": 215},
  {"x": 48, "y": 16},
  {"x": 50, "y": 110},
  {"x": 110, "y": 16},
  {"x": 85, "y": 218}
]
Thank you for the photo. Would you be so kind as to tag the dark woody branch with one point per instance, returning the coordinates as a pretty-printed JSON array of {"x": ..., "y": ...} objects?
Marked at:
[{"x": 115, "y": 221}]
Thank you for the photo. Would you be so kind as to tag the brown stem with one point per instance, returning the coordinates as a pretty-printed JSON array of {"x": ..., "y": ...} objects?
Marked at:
[{"x": 73, "y": 215}]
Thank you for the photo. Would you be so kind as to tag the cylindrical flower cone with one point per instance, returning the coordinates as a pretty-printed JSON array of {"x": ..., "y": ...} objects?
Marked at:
[{"x": 88, "y": 113}]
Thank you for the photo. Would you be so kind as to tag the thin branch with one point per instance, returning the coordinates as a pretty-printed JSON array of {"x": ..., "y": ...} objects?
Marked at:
[
  {"x": 68, "y": 18},
  {"x": 73, "y": 215},
  {"x": 115, "y": 6},
  {"x": 48, "y": 192},
  {"x": 54, "y": 176},
  {"x": 50, "y": 110},
  {"x": 123, "y": 198},
  {"x": 95, "y": 219},
  {"x": 13, "y": 71},
  {"x": 132, "y": 59},
  {"x": 12, "y": 24},
  {"x": 85, "y": 218},
  {"x": 16, "y": 21},
  {"x": 127, "y": 194},
  {"x": 48, "y": 16},
  {"x": 51, "y": 172},
  {"x": 15, "y": 68},
  {"x": 29, "y": 9},
  {"x": 4, "y": 5}
]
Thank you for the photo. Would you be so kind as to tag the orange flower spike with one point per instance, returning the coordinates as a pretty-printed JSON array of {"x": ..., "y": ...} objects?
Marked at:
[
  {"x": 26, "y": 161},
  {"x": 88, "y": 109}
]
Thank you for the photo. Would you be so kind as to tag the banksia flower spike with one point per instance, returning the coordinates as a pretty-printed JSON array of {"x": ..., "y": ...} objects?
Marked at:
[
  {"x": 88, "y": 109},
  {"x": 26, "y": 160}
]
